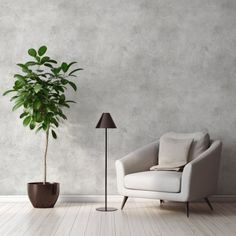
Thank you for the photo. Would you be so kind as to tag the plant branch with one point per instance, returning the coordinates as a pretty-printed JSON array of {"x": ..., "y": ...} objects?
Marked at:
[{"x": 45, "y": 158}]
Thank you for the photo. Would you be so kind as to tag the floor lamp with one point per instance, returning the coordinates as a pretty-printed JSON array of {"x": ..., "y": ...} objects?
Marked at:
[{"x": 106, "y": 122}]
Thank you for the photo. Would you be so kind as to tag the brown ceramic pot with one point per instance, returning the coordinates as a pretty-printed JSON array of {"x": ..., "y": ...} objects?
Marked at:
[{"x": 43, "y": 195}]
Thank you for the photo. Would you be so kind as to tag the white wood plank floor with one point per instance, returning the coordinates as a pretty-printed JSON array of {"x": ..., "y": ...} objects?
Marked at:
[{"x": 139, "y": 218}]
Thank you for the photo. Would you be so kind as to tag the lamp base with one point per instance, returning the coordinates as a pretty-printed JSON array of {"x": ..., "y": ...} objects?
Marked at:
[{"x": 106, "y": 209}]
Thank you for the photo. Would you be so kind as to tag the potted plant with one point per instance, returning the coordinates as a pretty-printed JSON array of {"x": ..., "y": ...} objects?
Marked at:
[{"x": 40, "y": 90}]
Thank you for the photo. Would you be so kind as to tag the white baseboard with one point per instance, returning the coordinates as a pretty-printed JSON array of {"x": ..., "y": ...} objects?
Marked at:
[
  {"x": 64, "y": 198},
  {"x": 89, "y": 198},
  {"x": 100, "y": 198}
]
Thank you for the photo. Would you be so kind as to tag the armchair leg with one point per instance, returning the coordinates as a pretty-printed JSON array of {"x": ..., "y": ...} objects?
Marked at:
[
  {"x": 124, "y": 201},
  {"x": 208, "y": 203},
  {"x": 187, "y": 209}
]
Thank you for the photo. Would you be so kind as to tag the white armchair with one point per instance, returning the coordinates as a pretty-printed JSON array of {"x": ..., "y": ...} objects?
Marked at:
[{"x": 198, "y": 179}]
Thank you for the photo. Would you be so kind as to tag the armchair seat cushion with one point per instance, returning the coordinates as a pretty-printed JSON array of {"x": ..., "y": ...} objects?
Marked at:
[{"x": 160, "y": 181}]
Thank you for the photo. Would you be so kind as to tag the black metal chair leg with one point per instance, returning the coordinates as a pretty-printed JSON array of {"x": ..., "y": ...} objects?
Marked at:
[
  {"x": 187, "y": 208},
  {"x": 208, "y": 203},
  {"x": 124, "y": 201}
]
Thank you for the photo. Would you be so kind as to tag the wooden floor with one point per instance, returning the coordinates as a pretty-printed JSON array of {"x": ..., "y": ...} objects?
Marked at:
[{"x": 137, "y": 218}]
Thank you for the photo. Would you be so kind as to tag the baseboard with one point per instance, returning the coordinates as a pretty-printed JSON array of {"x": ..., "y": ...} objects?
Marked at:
[
  {"x": 64, "y": 198},
  {"x": 89, "y": 198},
  {"x": 223, "y": 198},
  {"x": 100, "y": 198}
]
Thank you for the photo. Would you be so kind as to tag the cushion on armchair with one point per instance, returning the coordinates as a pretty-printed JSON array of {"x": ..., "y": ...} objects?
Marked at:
[
  {"x": 201, "y": 141},
  {"x": 173, "y": 153}
]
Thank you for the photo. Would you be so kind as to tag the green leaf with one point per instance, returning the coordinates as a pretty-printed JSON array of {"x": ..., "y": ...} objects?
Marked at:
[
  {"x": 37, "y": 104},
  {"x": 55, "y": 122},
  {"x": 42, "y": 50},
  {"x": 13, "y": 98},
  {"x": 37, "y": 88},
  {"x": 73, "y": 85},
  {"x": 54, "y": 135},
  {"x": 48, "y": 65},
  {"x": 52, "y": 107},
  {"x": 18, "y": 85},
  {"x": 32, "y": 52},
  {"x": 45, "y": 126},
  {"x": 19, "y": 76},
  {"x": 44, "y": 59},
  {"x": 27, "y": 120},
  {"x": 19, "y": 104},
  {"x": 52, "y": 61},
  {"x": 64, "y": 81},
  {"x": 8, "y": 91},
  {"x": 32, "y": 125},
  {"x": 56, "y": 71},
  {"x": 69, "y": 65},
  {"x": 73, "y": 71},
  {"x": 56, "y": 95},
  {"x": 27, "y": 104},
  {"x": 24, "y": 68},
  {"x": 21, "y": 65},
  {"x": 19, "y": 99},
  {"x": 38, "y": 117},
  {"x": 64, "y": 67},
  {"x": 65, "y": 105},
  {"x": 63, "y": 116},
  {"x": 38, "y": 58},
  {"x": 70, "y": 101},
  {"x": 62, "y": 98},
  {"x": 31, "y": 63},
  {"x": 59, "y": 88},
  {"x": 24, "y": 114}
]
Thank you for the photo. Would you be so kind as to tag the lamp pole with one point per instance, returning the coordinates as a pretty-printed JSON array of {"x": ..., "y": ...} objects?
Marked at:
[{"x": 105, "y": 169}]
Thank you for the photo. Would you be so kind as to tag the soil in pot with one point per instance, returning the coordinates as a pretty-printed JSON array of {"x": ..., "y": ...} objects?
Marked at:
[{"x": 43, "y": 195}]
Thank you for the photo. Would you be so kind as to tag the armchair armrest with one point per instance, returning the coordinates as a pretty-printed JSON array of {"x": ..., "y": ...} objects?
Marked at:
[
  {"x": 200, "y": 176},
  {"x": 137, "y": 161}
]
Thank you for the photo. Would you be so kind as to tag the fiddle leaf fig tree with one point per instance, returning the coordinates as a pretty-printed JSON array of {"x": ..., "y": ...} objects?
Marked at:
[{"x": 39, "y": 90}]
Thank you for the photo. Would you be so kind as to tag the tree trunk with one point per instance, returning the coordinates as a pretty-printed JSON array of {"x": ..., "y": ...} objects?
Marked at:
[{"x": 45, "y": 159}]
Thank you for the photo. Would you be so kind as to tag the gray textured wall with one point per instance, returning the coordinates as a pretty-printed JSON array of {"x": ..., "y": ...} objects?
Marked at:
[{"x": 156, "y": 65}]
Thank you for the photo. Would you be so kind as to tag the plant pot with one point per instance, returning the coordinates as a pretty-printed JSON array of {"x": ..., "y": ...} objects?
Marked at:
[{"x": 43, "y": 195}]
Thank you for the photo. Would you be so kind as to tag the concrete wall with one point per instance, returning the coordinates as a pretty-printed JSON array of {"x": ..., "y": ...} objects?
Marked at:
[{"x": 155, "y": 65}]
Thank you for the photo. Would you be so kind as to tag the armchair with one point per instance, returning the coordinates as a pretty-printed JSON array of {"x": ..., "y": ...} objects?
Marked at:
[{"x": 197, "y": 181}]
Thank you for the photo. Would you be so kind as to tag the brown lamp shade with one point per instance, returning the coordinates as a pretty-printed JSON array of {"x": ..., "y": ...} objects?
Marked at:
[{"x": 106, "y": 121}]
